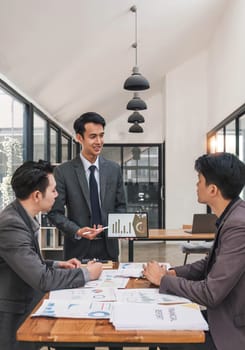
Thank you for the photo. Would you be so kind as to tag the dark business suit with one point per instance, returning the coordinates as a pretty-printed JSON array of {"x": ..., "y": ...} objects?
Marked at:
[
  {"x": 218, "y": 282},
  {"x": 24, "y": 276},
  {"x": 73, "y": 192}
]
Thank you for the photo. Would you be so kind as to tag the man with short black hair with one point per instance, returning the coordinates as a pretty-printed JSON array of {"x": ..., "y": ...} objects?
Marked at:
[
  {"x": 24, "y": 275},
  {"x": 90, "y": 187},
  {"x": 218, "y": 280}
]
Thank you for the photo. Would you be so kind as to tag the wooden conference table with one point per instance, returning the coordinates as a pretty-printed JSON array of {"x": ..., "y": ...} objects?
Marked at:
[
  {"x": 86, "y": 333},
  {"x": 169, "y": 235}
]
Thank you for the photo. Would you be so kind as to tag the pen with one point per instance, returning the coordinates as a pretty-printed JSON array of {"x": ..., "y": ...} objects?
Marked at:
[{"x": 88, "y": 232}]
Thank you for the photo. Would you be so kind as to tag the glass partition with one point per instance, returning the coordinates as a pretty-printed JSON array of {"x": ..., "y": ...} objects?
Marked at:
[
  {"x": 39, "y": 137},
  {"x": 65, "y": 144},
  {"x": 53, "y": 145},
  {"x": 141, "y": 175},
  {"x": 242, "y": 144},
  {"x": 11, "y": 142},
  {"x": 230, "y": 137}
]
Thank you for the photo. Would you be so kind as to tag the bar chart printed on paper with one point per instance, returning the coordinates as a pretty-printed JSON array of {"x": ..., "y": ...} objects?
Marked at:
[{"x": 127, "y": 225}]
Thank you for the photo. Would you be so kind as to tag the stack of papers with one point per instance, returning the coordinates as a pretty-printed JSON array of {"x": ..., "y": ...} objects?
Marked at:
[
  {"x": 99, "y": 302},
  {"x": 157, "y": 317},
  {"x": 108, "y": 278},
  {"x": 84, "y": 294},
  {"x": 133, "y": 269},
  {"x": 139, "y": 308},
  {"x": 74, "y": 309},
  {"x": 147, "y": 295}
]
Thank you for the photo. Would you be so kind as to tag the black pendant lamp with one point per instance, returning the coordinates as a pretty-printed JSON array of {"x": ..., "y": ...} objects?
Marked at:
[
  {"x": 136, "y": 82},
  {"x": 136, "y": 117},
  {"x": 136, "y": 103},
  {"x": 135, "y": 128}
]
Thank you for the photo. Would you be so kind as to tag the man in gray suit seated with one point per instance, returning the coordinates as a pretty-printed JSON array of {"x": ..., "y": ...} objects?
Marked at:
[
  {"x": 74, "y": 188},
  {"x": 24, "y": 275},
  {"x": 218, "y": 281}
]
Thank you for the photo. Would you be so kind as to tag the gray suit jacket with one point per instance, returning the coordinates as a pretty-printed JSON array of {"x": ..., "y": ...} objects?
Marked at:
[
  {"x": 24, "y": 275},
  {"x": 72, "y": 187},
  {"x": 218, "y": 282}
]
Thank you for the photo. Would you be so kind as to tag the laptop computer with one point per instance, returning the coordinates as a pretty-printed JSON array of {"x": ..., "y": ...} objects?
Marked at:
[
  {"x": 203, "y": 223},
  {"x": 127, "y": 225}
]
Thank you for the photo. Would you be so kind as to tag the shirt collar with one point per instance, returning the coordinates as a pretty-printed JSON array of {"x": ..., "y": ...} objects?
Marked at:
[{"x": 87, "y": 163}]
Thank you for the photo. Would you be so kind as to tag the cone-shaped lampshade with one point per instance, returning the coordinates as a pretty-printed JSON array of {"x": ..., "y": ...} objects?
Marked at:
[
  {"x": 136, "y": 117},
  {"x": 135, "y": 128},
  {"x": 136, "y": 82},
  {"x": 136, "y": 104}
]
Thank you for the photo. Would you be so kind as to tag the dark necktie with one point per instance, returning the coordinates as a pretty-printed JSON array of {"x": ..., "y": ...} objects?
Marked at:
[{"x": 94, "y": 198}]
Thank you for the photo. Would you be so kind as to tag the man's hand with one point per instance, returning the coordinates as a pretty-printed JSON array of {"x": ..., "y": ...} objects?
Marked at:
[
  {"x": 70, "y": 264},
  {"x": 89, "y": 232},
  {"x": 154, "y": 272},
  {"x": 94, "y": 269}
]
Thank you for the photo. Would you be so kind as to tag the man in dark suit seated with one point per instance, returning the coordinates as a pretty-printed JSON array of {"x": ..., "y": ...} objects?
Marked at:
[
  {"x": 24, "y": 275},
  {"x": 217, "y": 281}
]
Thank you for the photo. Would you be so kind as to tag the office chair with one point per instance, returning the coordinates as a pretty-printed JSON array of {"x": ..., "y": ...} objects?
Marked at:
[{"x": 195, "y": 248}]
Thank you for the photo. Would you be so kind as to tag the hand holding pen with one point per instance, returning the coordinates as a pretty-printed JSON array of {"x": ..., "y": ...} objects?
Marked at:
[{"x": 91, "y": 233}]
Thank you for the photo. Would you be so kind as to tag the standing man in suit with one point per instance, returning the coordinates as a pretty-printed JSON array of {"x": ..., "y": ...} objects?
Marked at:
[
  {"x": 74, "y": 188},
  {"x": 24, "y": 275},
  {"x": 218, "y": 281}
]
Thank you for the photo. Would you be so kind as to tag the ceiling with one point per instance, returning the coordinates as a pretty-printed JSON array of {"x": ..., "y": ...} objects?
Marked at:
[{"x": 73, "y": 56}]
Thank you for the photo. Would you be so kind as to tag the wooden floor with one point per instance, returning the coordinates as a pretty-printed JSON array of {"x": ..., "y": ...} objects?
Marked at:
[{"x": 160, "y": 251}]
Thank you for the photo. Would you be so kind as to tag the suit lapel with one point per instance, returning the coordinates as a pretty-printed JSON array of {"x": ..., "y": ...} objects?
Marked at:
[
  {"x": 34, "y": 228},
  {"x": 80, "y": 172},
  {"x": 103, "y": 178},
  {"x": 212, "y": 255}
]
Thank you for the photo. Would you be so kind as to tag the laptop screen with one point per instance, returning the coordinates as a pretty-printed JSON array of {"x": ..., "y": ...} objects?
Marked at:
[
  {"x": 204, "y": 223},
  {"x": 127, "y": 225}
]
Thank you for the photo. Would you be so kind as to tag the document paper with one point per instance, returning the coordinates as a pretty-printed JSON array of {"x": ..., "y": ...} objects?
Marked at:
[
  {"x": 158, "y": 317},
  {"x": 147, "y": 295},
  {"x": 74, "y": 309}
]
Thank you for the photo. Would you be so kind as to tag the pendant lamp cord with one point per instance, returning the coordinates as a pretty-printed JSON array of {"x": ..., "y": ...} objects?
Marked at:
[{"x": 135, "y": 44}]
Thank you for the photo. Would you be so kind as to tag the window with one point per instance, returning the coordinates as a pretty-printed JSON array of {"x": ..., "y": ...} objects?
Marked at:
[
  {"x": 65, "y": 144},
  {"x": 11, "y": 142},
  {"x": 53, "y": 145},
  {"x": 141, "y": 175},
  {"x": 229, "y": 136},
  {"x": 39, "y": 137},
  {"x": 242, "y": 138},
  {"x": 25, "y": 134}
]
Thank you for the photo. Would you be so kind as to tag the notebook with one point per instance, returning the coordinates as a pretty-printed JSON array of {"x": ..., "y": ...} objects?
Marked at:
[
  {"x": 128, "y": 225},
  {"x": 203, "y": 223}
]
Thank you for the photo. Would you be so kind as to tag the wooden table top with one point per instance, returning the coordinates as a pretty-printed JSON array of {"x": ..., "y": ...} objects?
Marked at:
[
  {"x": 178, "y": 234},
  {"x": 50, "y": 331}
]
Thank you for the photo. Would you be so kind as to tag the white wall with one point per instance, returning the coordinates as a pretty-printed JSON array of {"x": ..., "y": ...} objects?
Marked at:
[
  {"x": 200, "y": 94},
  {"x": 226, "y": 65},
  {"x": 154, "y": 132},
  {"x": 186, "y": 116}
]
